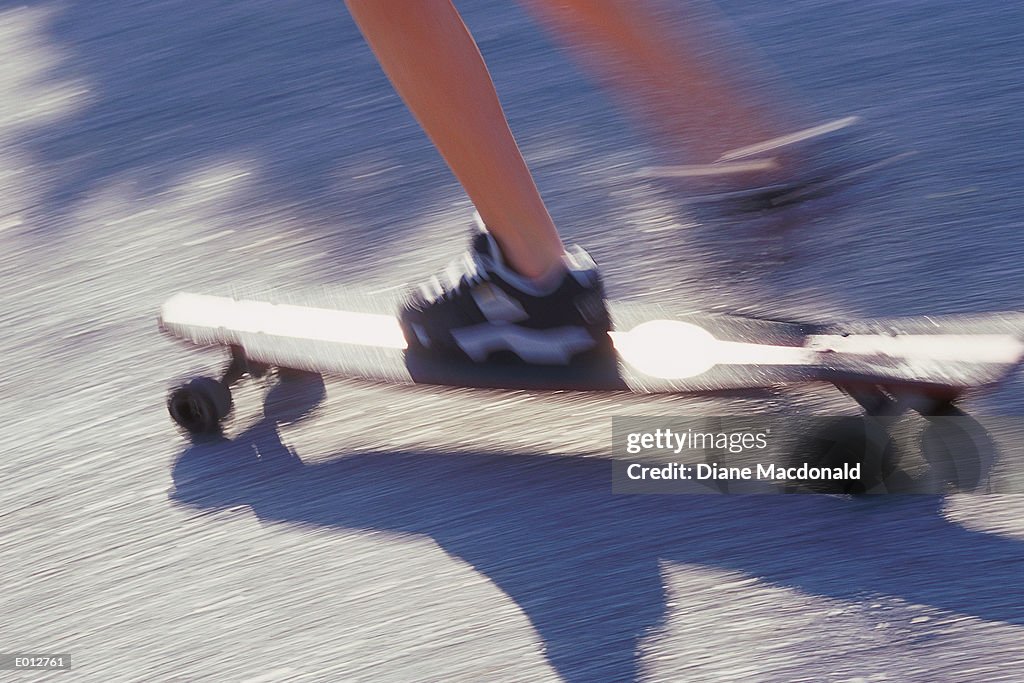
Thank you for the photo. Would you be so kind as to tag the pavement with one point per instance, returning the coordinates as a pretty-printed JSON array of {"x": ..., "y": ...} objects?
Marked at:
[{"x": 348, "y": 531}]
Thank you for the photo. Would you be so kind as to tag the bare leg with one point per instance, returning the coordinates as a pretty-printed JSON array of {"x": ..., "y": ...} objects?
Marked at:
[
  {"x": 435, "y": 66},
  {"x": 682, "y": 93}
]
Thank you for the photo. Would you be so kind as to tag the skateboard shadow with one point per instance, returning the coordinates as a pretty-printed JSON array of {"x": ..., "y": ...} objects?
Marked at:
[{"x": 585, "y": 565}]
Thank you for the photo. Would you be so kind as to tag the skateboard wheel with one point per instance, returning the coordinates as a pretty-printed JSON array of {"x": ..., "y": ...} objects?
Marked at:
[
  {"x": 200, "y": 405},
  {"x": 958, "y": 450},
  {"x": 851, "y": 441}
]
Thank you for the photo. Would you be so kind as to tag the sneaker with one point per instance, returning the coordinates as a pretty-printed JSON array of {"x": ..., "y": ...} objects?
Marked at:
[
  {"x": 480, "y": 309},
  {"x": 806, "y": 164}
]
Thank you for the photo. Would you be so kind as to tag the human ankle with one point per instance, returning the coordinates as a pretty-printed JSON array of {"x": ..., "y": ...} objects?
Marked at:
[{"x": 535, "y": 276}]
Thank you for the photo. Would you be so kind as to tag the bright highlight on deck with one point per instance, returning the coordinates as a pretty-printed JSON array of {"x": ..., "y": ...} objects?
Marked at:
[
  {"x": 672, "y": 349},
  {"x": 283, "y": 320}
]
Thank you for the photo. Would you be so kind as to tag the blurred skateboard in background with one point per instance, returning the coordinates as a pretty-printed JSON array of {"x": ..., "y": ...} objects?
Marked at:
[{"x": 887, "y": 366}]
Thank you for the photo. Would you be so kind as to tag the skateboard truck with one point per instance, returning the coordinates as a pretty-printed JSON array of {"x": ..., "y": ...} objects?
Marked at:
[
  {"x": 241, "y": 365},
  {"x": 879, "y": 400}
]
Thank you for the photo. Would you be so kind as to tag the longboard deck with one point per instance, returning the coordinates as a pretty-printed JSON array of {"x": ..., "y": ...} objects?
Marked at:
[{"x": 658, "y": 348}]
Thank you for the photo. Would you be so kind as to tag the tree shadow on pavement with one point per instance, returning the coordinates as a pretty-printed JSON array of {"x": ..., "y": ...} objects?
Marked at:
[{"x": 289, "y": 90}]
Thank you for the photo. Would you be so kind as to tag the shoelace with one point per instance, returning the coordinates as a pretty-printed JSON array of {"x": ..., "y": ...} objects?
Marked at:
[{"x": 462, "y": 273}]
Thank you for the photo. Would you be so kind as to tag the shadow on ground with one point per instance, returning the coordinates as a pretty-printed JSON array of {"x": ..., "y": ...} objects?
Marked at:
[
  {"x": 288, "y": 89},
  {"x": 583, "y": 564}
]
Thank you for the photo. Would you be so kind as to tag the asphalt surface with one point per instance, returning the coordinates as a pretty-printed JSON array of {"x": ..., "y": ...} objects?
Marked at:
[{"x": 349, "y": 531}]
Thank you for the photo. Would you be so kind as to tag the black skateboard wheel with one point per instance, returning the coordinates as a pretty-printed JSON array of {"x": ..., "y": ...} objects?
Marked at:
[
  {"x": 958, "y": 449},
  {"x": 200, "y": 405},
  {"x": 849, "y": 441}
]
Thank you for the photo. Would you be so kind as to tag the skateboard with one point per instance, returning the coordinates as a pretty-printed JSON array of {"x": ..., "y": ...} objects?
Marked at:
[{"x": 888, "y": 366}]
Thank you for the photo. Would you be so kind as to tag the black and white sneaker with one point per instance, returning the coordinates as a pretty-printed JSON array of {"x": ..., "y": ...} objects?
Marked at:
[{"x": 480, "y": 309}]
